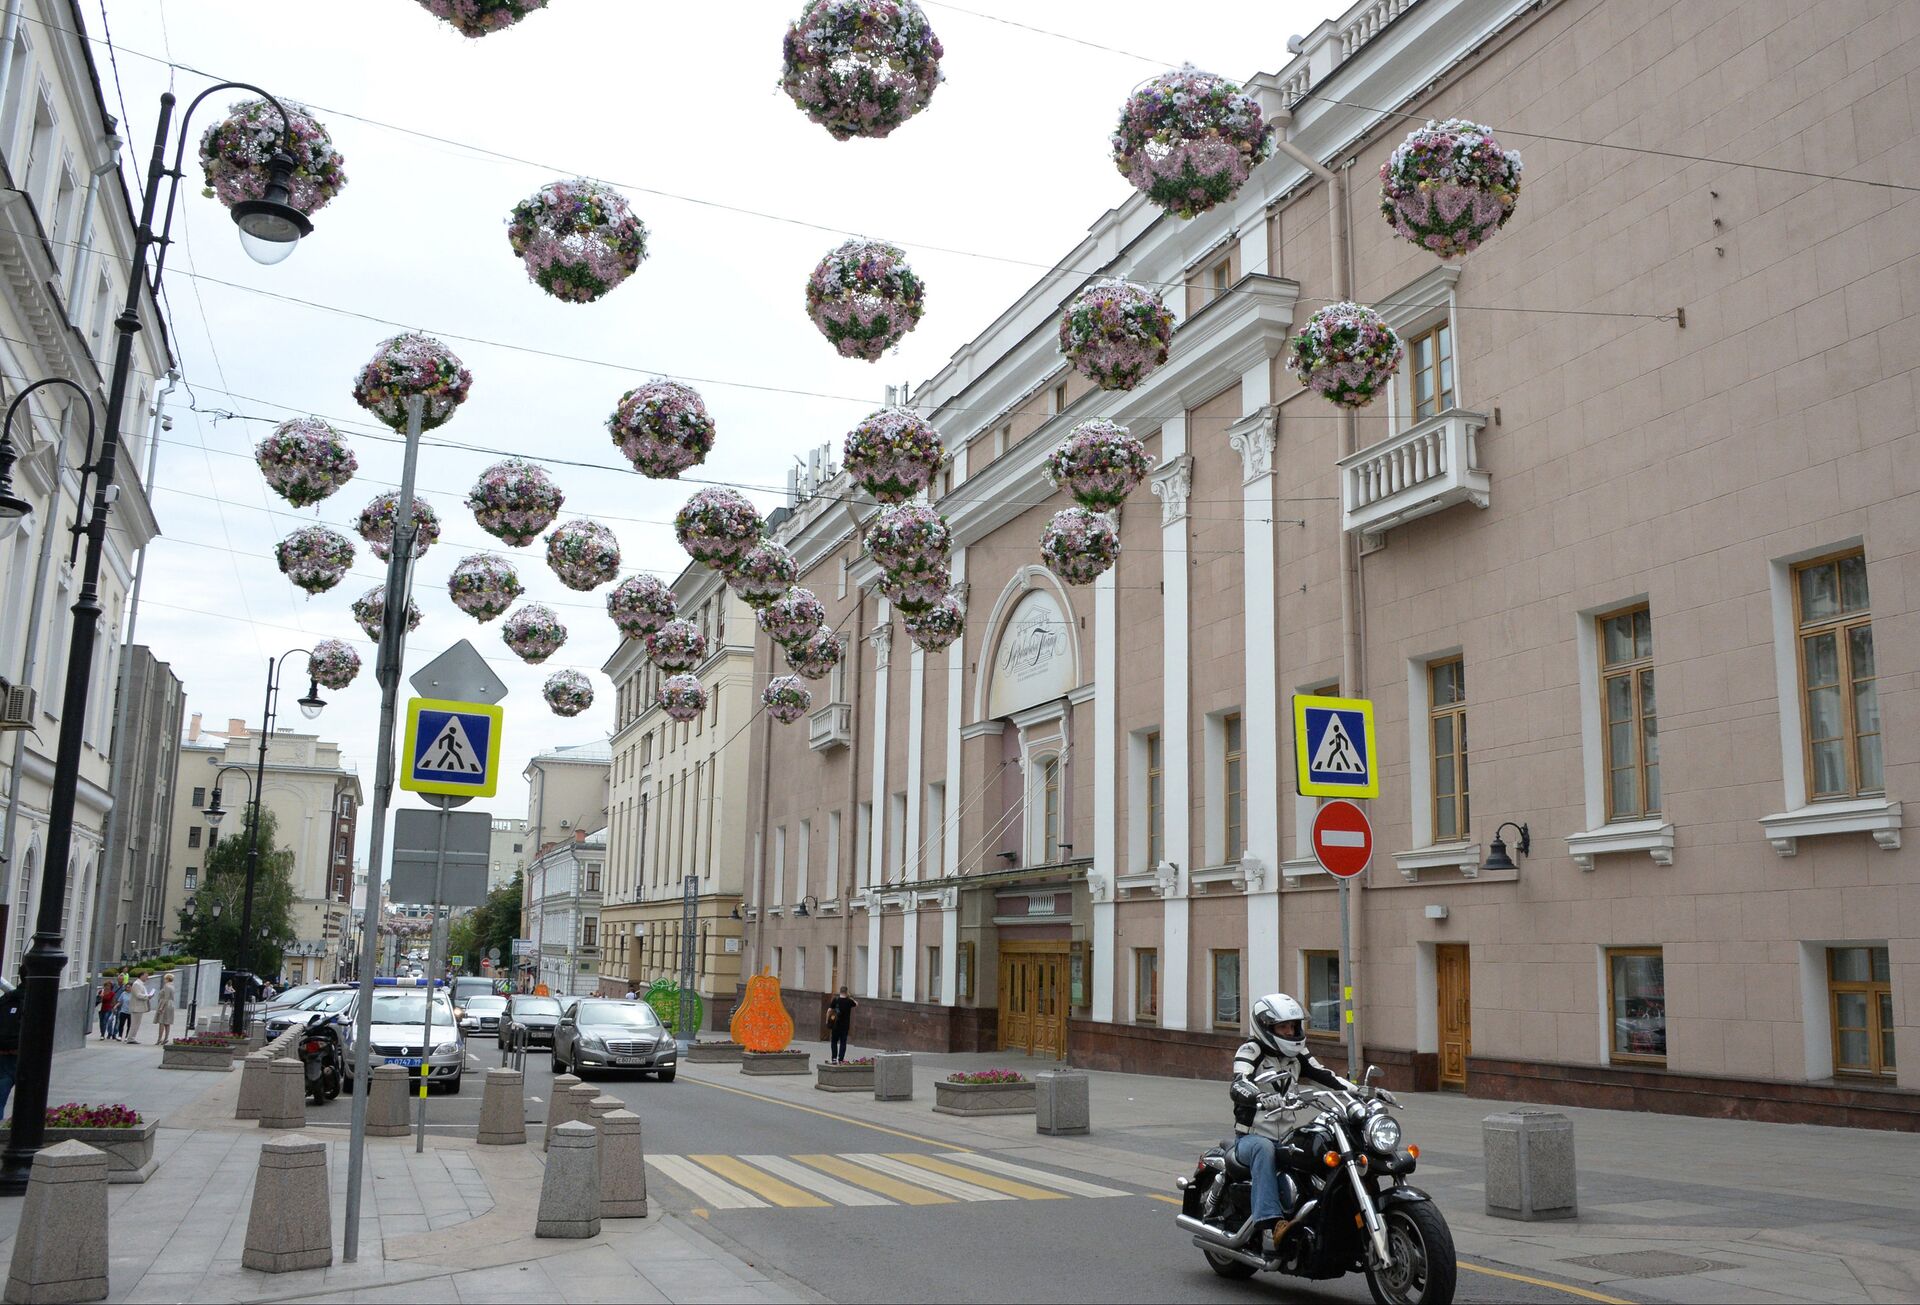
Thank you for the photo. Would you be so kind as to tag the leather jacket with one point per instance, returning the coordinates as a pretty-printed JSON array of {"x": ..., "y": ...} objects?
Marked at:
[{"x": 1252, "y": 1060}]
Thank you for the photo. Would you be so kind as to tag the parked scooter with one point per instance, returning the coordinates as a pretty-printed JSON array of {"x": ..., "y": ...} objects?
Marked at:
[{"x": 322, "y": 1058}]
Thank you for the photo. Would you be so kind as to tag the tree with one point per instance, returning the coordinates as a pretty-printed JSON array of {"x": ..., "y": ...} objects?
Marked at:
[
  {"x": 493, "y": 923},
  {"x": 223, "y": 882}
]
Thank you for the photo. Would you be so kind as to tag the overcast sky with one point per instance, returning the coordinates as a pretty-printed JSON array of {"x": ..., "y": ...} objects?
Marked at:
[{"x": 1010, "y": 163}]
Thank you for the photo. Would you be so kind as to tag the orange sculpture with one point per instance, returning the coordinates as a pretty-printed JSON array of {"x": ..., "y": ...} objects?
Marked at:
[{"x": 761, "y": 1023}]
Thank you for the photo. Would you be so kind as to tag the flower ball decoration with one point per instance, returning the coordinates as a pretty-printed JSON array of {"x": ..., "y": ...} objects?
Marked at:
[
  {"x": 663, "y": 428},
  {"x": 370, "y": 612},
  {"x": 1188, "y": 140},
  {"x": 236, "y": 154},
  {"x": 333, "y": 664},
  {"x": 893, "y": 454},
  {"x": 578, "y": 239},
  {"x": 476, "y": 18},
  {"x": 314, "y": 557},
  {"x": 909, "y": 540},
  {"x": 568, "y": 692},
  {"x": 1099, "y": 463},
  {"x": 584, "y": 554},
  {"x": 1079, "y": 545},
  {"x": 641, "y": 604},
  {"x": 916, "y": 592},
  {"x": 766, "y": 572},
  {"x": 1345, "y": 353},
  {"x": 515, "y": 501},
  {"x": 677, "y": 646},
  {"x": 377, "y": 521},
  {"x": 682, "y": 697},
  {"x": 792, "y": 617},
  {"x": 305, "y": 460},
  {"x": 937, "y": 626},
  {"x": 786, "y": 698},
  {"x": 717, "y": 527},
  {"x": 861, "y": 67},
  {"x": 534, "y": 633},
  {"x": 1115, "y": 333},
  {"x": 864, "y": 298},
  {"x": 1449, "y": 186},
  {"x": 412, "y": 366},
  {"x": 484, "y": 586},
  {"x": 816, "y": 655}
]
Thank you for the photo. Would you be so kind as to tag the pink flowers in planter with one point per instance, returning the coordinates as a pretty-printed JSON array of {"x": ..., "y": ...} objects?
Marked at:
[
  {"x": 534, "y": 633},
  {"x": 584, "y": 554},
  {"x": 1115, "y": 333},
  {"x": 305, "y": 460},
  {"x": 484, "y": 586},
  {"x": 1188, "y": 140},
  {"x": 938, "y": 626},
  {"x": 641, "y": 604},
  {"x": 786, "y": 698},
  {"x": 663, "y": 428},
  {"x": 860, "y": 67},
  {"x": 412, "y": 366},
  {"x": 578, "y": 239},
  {"x": 477, "y": 18},
  {"x": 370, "y": 611},
  {"x": 893, "y": 454},
  {"x": 864, "y": 298},
  {"x": 909, "y": 540},
  {"x": 314, "y": 557},
  {"x": 792, "y": 617},
  {"x": 815, "y": 656},
  {"x": 235, "y": 154},
  {"x": 1099, "y": 464},
  {"x": 987, "y": 1076},
  {"x": 1449, "y": 186},
  {"x": 514, "y": 501},
  {"x": 682, "y": 697},
  {"x": 378, "y": 517},
  {"x": 74, "y": 1114},
  {"x": 568, "y": 692},
  {"x": 1079, "y": 545},
  {"x": 1345, "y": 353},
  {"x": 765, "y": 573},
  {"x": 717, "y": 527},
  {"x": 677, "y": 646},
  {"x": 333, "y": 664}
]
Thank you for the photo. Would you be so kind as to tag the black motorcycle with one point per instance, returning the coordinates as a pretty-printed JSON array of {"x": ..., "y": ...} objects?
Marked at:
[
  {"x": 321, "y": 1055},
  {"x": 1349, "y": 1207}
]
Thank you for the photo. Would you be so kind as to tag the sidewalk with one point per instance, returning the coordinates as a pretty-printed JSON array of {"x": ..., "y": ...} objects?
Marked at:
[
  {"x": 455, "y": 1223},
  {"x": 1671, "y": 1208}
]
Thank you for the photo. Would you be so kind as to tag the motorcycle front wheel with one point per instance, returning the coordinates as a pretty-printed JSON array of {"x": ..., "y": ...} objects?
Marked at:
[
  {"x": 1228, "y": 1267},
  {"x": 1423, "y": 1269}
]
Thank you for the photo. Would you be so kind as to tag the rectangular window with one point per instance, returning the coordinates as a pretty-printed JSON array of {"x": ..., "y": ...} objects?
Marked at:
[
  {"x": 833, "y": 969},
  {"x": 933, "y": 974},
  {"x": 193, "y": 835},
  {"x": 963, "y": 973},
  {"x": 862, "y": 845},
  {"x": 1627, "y": 703},
  {"x": 896, "y": 970},
  {"x": 1050, "y": 811},
  {"x": 800, "y": 968},
  {"x": 1323, "y": 993},
  {"x": 589, "y": 933},
  {"x": 1859, "y": 984},
  {"x": 1637, "y": 1004},
  {"x": 897, "y": 836},
  {"x": 777, "y": 972},
  {"x": 1236, "y": 795},
  {"x": 1430, "y": 370},
  {"x": 1222, "y": 276},
  {"x": 1226, "y": 990},
  {"x": 1841, "y": 716},
  {"x": 1447, "y": 733},
  {"x": 1060, "y": 397},
  {"x": 199, "y": 797},
  {"x": 860, "y": 958},
  {"x": 1156, "y": 804},
  {"x": 593, "y": 881},
  {"x": 1146, "y": 983},
  {"x": 193, "y": 878}
]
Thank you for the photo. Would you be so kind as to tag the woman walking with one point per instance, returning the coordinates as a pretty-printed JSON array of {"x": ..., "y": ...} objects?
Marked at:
[
  {"x": 122, "y": 1005},
  {"x": 106, "y": 1008},
  {"x": 163, "y": 1011},
  {"x": 139, "y": 1002}
]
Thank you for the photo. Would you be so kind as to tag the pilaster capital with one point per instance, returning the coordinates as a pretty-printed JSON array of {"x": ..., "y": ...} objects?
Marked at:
[
  {"x": 1254, "y": 437},
  {"x": 1173, "y": 485}
]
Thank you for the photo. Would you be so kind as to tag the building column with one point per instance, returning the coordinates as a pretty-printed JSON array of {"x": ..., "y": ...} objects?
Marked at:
[
  {"x": 1106, "y": 789},
  {"x": 1172, "y": 484},
  {"x": 882, "y": 638},
  {"x": 1253, "y": 438},
  {"x": 949, "y": 856}
]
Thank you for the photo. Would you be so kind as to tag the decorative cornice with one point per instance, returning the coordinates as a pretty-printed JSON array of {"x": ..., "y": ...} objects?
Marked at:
[
  {"x": 1254, "y": 438},
  {"x": 1173, "y": 485}
]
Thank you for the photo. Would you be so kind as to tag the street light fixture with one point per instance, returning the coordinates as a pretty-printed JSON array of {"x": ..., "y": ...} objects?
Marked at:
[
  {"x": 1497, "y": 858},
  {"x": 270, "y": 227},
  {"x": 313, "y": 704}
]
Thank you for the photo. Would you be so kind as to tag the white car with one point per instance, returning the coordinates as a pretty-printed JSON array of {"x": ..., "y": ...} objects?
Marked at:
[{"x": 399, "y": 1016}]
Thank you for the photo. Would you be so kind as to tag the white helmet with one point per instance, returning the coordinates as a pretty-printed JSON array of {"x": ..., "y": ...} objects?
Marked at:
[{"x": 1280, "y": 1025}]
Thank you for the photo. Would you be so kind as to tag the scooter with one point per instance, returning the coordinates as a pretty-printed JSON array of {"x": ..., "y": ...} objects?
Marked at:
[{"x": 320, "y": 1054}]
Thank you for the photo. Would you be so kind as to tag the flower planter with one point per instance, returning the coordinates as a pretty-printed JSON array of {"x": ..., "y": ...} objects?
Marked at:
[
  {"x": 129, "y": 1151},
  {"x": 715, "y": 1053},
  {"x": 212, "y": 1060},
  {"x": 774, "y": 1062},
  {"x": 980, "y": 1099},
  {"x": 843, "y": 1078}
]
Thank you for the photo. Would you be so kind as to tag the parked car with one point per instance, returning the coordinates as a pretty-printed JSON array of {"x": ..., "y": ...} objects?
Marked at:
[
  {"x": 602, "y": 1033},
  {"x": 537, "y": 1015},
  {"x": 322, "y": 1004},
  {"x": 469, "y": 985},
  {"x": 481, "y": 1015},
  {"x": 399, "y": 1016}
]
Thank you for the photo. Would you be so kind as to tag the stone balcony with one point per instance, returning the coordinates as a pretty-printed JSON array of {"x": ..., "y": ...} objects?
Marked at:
[
  {"x": 830, "y": 727},
  {"x": 1427, "y": 468}
]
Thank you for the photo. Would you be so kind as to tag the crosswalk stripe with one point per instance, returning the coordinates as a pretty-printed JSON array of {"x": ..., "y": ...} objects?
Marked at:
[
  {"x": 710, "y": 1190},
  {"x": 1072, "y": 1186},
  {"x": 819, "y": 1184},
  {"x": 762, "y": 1184},
  {"x": 905, "y": 1193},
  {"x": 908, "y": 1173},
  {"x": 940, "y": 1165}
]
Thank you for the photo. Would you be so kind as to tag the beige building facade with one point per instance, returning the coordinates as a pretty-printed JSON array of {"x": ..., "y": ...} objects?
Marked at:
[
  {"x": 566, "y": 798},
  {"x": 1661, "y": 429}
]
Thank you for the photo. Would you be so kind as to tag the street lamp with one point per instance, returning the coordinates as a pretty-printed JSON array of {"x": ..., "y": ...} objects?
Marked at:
[
  {"x": 270, "y": 227},
  {"x": 12, "y": 507},
  {"x": 1497, "y": 858}
]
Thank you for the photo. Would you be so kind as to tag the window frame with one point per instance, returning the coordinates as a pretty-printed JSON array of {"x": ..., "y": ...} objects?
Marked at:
[
  {"x": 1632, "y": 669},
  {"x": 1840, "y": 625},
  {"x": 1214, "y": 957},
  {"x": 1877, "y": 1032},
  {"x": 1461, "y": 797},
  {"x": 1438, "y": 332},
  {"x": 1615, "y": 1056},
  {"x": 1233, "y": 771},
  {"x": 933, "y": 983},
  {"x": 1156, "y": 759},
  {"x": 896, "y": 971},
  {"x": 1146, "y": 998},
  {"x": 1308, "y": 955},
  {"x": 963, "y": 973}
]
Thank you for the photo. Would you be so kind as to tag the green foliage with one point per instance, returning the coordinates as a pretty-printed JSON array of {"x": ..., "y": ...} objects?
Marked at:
[
  {"x": 493, "y": 923},
  {"x": 223, "y": 880}
]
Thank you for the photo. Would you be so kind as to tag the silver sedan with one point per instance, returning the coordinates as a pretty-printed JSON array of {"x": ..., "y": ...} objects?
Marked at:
[{"x": 599, "y": 1033}]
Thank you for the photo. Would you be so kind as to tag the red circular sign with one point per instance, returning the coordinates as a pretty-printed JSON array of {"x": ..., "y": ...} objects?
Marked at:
[{"x": 1342, "y": 839}]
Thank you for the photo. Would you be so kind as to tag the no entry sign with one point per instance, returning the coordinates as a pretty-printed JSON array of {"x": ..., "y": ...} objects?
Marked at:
[{"x": 1342, "y": 839}]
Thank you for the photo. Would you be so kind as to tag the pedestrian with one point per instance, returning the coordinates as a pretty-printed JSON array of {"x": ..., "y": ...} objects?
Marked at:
[
  {"x": 10, "y": 1003},
  {"x": 163, "y": 1007},
  {"x": 139, "y": 1002},
  {"x": 631, "y": 994},
  {"x": 839, "y": 1021},
  {"x": 122, "y": 1000},
  {"x": 106, "y": 1008}
]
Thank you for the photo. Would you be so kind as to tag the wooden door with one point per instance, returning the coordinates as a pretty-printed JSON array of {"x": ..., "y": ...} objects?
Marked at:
[
  {"x": 1034, "y": 998},
  {"x": 1456, "y": 1013},
  {"x": 1016, "y": 1006}
]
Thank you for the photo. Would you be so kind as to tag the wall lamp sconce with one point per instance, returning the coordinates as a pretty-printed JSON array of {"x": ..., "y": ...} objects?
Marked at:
[
  {"x": 1066, "y": 848},
  {"x": 1011, "y": 857},
  {"x": 1497, "y": 858},
  {"x": 736, "y": 914},
  {"x": 807, "y": 906}
]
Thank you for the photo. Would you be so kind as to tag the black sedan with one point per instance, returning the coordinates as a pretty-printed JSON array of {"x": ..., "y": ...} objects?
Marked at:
[{"x": 537, "y": 1015}]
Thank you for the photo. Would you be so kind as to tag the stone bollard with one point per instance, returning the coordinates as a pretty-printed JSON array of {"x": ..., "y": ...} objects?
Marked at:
[
  {"x": 290, "y": 1225},
  {"x": 570, "y": 1192},
  {"x": 284, "y": 1104},
  {"x": 60, "y": 1247},
  {"x": 623, "y": 1166},
  {"x": 1530, "y": 1168},
  {"x": 893, "y": 1076},
  {"x": 503, "y": 1109},
  {"x": 1061, "y": 1104},
  {"x": 387, "y": 1103},
  {"x": 256, "y": 1034},
  {"x": 254, "y": 1072},
  {"x": 584, "y": 1095},
  {"x": 600, "y": 1107},
  {"x": 560, "y": 1109}
]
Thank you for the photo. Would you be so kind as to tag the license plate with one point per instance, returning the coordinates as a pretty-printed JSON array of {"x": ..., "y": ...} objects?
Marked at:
[
  {"x": 411, "y": 1062},
  {"x": 630, "y": 1060}
]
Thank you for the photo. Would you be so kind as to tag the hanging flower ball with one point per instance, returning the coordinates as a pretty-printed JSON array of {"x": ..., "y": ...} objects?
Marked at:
[
  {"x": 514, "y": 501},
  {"x": 917, "y": 592},
  {"x": 484, "y": 586},
  {"x": 476, "y": 18},
  {"x": 786, "y": 698},
  {"x": 909, "y": 540},
  {"x": 861, "y": 67},
  {"x": 1449, "y": 186},
  {"x": 578, "y": 239},
  {"x": 792, "y": 617},
  {"x": 314, "y": 557},
  {"x": 370, "y": 612},
  {"x": 377, "y": 520},
  {"x": 584, "y": 554},
  {"x": 236, "y": 154},
  {"x": 937, "y": 626},
  {"x": 1345, "y": 353},
  {"x": 663, "y": 428},
  {"x": 864, "y": 298},
  {"x": 641, "y": 604},
  {"x": 677, "y": 646},
  {"x": 1079, "y": 545},
  {"x": 534, "y": 633},
  {"x": 1115, "y": 333},
  {"x": 409, "y": 366},
  {"x": 1188, "y": 140},
  {"x": 717, "y": 527},
  {"x": 305, "y": 460},
  {"x": 1099, "y": 463},
  {"x": 333, "y": 664},
  {"x": 893, "y": 454},
  {"x": 763, "y": 574},
  {"x": 682, "y": 697},
  {"x": 568, "y": 692},
  {"x": 817, "y": 654}
]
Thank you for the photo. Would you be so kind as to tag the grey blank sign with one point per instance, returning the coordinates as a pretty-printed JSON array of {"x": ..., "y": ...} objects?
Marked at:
[{"x": 468, "y": 849}]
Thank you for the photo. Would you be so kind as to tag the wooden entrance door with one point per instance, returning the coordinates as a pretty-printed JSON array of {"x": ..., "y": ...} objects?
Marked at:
[
  {"x": 1456, "y": 1013},
  {"x": 1033, "y": 998}
]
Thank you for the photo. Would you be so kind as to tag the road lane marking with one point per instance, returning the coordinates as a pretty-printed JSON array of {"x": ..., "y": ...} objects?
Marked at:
[
  {"x": 1071, "y": 1186},
  {"x": 1019, "y": 1191},
  {"x": 818, "y": 1184},
  {"x": 1582, "y": 1292},
  {"x": 1156, "y": 1196},
  {"x": 716, "y": 1194},
  {"x": 905, "y": 1193},
  {"x": 761, "y": 1184},
  {"x": 824, "y": 1114},
  {"x": 909, "y": 1173}
]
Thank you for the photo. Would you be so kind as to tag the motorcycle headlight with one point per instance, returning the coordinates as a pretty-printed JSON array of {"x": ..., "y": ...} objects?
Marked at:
[
  {"x": 448, "y": 1048},
  {"x": 1383, "y": 1134}
]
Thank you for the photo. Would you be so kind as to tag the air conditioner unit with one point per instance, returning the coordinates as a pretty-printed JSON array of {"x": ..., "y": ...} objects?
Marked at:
[{"x": 17, "y": 702}]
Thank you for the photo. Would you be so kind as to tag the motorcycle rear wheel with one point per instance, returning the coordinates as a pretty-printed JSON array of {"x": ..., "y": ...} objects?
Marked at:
[
  {"x": 1228, "y": 1267},
  {"x": 330, "y": 1082},
  {"x": 1423, "y": 1269}
]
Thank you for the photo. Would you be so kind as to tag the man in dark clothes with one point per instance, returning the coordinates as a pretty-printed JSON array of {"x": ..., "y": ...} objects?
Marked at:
[{"x": 839, "y": 1020}]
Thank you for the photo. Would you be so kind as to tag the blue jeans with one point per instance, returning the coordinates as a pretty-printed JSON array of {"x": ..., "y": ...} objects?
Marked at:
[
  {"x": 1256, "y": 1153},
  {"x": 9, "y": 1069}
]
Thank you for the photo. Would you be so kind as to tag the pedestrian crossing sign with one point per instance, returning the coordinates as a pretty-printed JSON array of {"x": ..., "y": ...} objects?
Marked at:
[
  {"x": 1335, "y": 748},
  {"x": 452, "y": 748}
]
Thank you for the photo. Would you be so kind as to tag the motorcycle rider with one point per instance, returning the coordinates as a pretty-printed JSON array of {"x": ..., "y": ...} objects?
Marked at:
[{"x": 1279, "y": 1044}]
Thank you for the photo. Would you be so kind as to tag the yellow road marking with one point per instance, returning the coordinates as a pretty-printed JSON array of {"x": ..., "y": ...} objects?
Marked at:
[
  {"x": 872, "y": 1180},
  {"x": 1582, "y": 1292},
  {"x": 826, "y": 1114},
  {"x": 989, "y": 1181},
  {"x": 776, "y": 1190},
  {"x": 1155, "y": 1196}
]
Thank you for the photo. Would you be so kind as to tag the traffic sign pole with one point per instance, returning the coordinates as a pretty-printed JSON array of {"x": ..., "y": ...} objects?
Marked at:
[{"x": 446, "y": 805}]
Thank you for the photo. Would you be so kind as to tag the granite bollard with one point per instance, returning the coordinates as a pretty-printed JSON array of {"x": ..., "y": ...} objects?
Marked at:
[
  {"x": 1061, "y": 1104},
  {"x": 570, "y": 1191},
  {"x": 1529, "y": 1165},
  {"x": 290, "y": 1225},
  {"x": 285, "y": 1103},
  {"x": 503, "y": 1109},
  {"x": 623, "y": 1166},
  {"x": 387, "y": 1104},
  {"x": 60, "y": 1247},
  {"x": 254, "y": 1073},
  {"x": 560, "y": 1107},
  {"x": 893, "y": 1076}
]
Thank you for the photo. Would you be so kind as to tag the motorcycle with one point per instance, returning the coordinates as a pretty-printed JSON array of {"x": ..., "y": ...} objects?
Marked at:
[
  {"x": 320, "y": 1054},
  {"x": 1349, "y": 1207}
]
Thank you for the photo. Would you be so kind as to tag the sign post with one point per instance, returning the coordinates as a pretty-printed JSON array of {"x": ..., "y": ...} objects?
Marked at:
[
  {"x": 690, "y": 911},
  {"x": 1336, "y": 755}
]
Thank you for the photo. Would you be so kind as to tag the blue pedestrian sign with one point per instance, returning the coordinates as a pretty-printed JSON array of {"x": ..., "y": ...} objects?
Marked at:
[
  {"x": 451, "y": 748},
  {"x": 1335, "y": 748}
]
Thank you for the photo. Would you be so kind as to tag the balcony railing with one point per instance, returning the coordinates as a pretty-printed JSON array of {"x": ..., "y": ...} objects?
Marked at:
[
  {"x": 830, "y": 727},
  {"x": 1430, "y": 466}
]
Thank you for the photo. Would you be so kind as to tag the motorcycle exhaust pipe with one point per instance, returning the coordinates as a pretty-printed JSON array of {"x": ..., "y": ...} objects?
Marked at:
[{"x": 1217, "y": 1237}]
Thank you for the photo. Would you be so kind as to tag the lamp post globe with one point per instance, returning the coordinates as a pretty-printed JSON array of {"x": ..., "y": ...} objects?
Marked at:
[
  {"x": 270, "y": 227},
  {"x": 313, "y": 704}
]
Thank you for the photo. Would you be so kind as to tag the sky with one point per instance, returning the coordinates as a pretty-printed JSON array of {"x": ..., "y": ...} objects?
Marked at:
[{"x": 679, "y": 107}]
